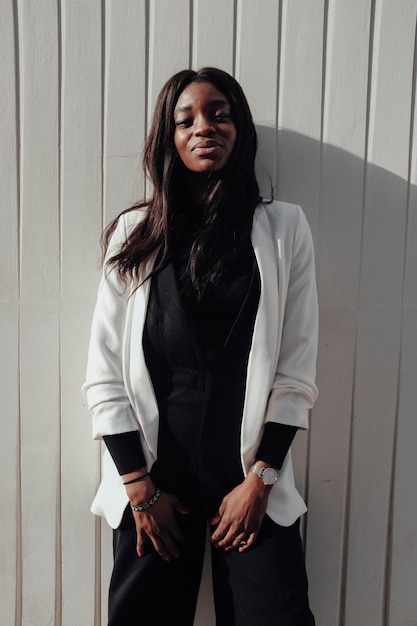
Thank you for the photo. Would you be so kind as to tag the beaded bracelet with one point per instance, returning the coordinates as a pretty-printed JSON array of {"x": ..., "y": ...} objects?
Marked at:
[
  {"x": 137, "y": 479},
  {"x": 147, "y": 504}
]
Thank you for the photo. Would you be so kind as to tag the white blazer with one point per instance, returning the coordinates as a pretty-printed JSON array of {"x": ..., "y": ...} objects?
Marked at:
[{"x": 281, "y": 368}]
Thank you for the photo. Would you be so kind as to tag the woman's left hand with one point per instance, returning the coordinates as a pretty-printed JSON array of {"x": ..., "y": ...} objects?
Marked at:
[{"x": 240, "y": 515}]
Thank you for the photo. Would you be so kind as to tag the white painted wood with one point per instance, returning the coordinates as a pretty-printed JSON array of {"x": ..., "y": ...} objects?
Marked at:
[
  {"x": 344, "y": 125},
  {"x": 40, "y": 451},
  {"x": 9, "y": 160},
  {"x": 402, "y": 600},
  {"x": 39, "y": 110},
  {"x": 9, "y": 328},
  {"x": 375, "y": 400},
  {"x": 39, "y": 339},
  {"x": 403, "y": 556},
  {"x": 257, "y": 48},
  {"x": 378, "y": 345},
  {"x": 329, "y": 463},
  {"x": 10, "y": 567},
  {"x": 299, "y": 127},
  {"x": 81, "y": 223},
  {"x": 124, "y": 105},
  {"x": 106, "y": 567},
  {"x": 81, "y": 149},
  {"x": 389, "y": 133},
  {"x": 338, "y": 231},
  {"x": 169, "y": 44},
  {"x": 213, "y": 34},
  {"x": 205, "y": 614},
  {"x": 410, "y": 282}
]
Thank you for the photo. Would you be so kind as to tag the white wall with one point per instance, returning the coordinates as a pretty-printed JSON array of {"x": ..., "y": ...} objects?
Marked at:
[{"x": 332, "y": 87}]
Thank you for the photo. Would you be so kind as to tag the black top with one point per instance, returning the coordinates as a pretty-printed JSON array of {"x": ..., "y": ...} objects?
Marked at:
[{"x": 213, "y": 317}]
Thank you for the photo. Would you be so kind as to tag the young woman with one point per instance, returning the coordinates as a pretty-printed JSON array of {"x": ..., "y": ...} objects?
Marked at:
[{"x": 201, "y": 369}]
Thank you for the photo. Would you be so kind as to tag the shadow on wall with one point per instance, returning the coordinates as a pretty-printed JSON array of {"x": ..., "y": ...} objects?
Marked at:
[
  {"x": 358, "y": 458},
  {"x": 363, "y": 219},
  {"x": 364, "y": 224}
]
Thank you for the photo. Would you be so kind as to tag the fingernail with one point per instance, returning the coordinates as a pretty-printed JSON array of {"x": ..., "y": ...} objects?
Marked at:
[{"x": 140, "y": 554}]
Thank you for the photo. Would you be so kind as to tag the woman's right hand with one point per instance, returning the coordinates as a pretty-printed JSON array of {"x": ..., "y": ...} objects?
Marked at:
[{"x": 157, "y": 524}]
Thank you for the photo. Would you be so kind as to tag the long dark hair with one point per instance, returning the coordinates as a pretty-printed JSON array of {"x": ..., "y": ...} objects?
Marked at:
[{"x": 226, "y": 208}]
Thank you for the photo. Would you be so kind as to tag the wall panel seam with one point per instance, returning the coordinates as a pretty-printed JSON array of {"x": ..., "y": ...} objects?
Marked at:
[
  {"x": 58, "y": 522},
  {"x": 18, "y": 513}
]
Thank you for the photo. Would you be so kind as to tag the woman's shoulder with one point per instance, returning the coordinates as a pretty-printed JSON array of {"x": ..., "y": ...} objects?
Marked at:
[
  {"x": 133, "y": 216},
  {"x": 282, "y": 214},
  {"x": 122, "y": 226},
  {"x": 284, "y": 220},
  {"x": 128, "y": 220}
]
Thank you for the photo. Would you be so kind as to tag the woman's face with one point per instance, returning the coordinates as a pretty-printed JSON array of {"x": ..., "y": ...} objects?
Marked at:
[{"x": 204, "y": 131}]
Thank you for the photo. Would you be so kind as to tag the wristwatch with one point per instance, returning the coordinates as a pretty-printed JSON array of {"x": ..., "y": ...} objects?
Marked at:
[{"x": 268, "y": 474}]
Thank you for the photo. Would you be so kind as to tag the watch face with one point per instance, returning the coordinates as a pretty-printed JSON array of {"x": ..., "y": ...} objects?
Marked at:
[{"x": 269, "y": 475}]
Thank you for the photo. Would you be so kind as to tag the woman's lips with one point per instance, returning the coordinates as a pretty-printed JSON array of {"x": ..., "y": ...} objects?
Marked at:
[{"x": 206, "y": 147}]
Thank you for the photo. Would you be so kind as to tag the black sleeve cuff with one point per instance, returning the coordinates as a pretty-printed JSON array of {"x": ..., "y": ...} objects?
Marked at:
[
  {"x": 126, "y": 451},
  {"x": 275, "y": 443}
]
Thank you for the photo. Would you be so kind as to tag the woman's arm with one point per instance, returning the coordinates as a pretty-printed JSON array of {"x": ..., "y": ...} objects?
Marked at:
[
  {"x": 112, "y": 413},
  {"x": 292, "y": 395},
  {"x": 104, "y": 388},
  {"x": 294, "y": 390}
]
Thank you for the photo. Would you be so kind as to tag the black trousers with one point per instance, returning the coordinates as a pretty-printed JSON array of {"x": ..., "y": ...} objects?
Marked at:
[{"x": 265, "y": 586}]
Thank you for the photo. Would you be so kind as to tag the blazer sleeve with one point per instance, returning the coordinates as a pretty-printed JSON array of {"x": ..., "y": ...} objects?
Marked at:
[
  {"x": 104, "y": 388},
  {"x": 294, "y": 390}
]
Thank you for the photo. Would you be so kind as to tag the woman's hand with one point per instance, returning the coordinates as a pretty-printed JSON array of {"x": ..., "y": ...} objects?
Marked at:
[
  {"x": 240, "y": 515},
  {"x": 157, "y": 524}
]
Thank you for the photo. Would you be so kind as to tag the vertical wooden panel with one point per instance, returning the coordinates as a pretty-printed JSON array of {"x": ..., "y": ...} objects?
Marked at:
[
  {"x": 81, "y": 209},
  {"x": 169, "y": 44},
  {"x": 379, "y": 322},
  {"x": 257, "y": 47},
  {"x": 9, "y": 315},
  {"x": 329, "y": 463},
  {"x": 9, "y": 279},
  {"x": 40, "y": 283},
  {"x": 338, "y": 264},
  {"x": 299, "y": 127},
  {"x": 373, "y": 431},
  {"x": 124, "y": 104},
  {"x": 9, "y": 433},
  {"x": 213, "y": 34},
  {"x": 344, "y": 124},
  {"x": 389, "y": 131},
  {"x": 402, "y": 605}
]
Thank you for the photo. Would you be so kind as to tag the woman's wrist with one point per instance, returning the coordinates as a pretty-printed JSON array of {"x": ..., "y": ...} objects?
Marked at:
[
  {"x": 140, "y": 491},
  {"x": 146, "y": 504},
  {"x": 135, "y": 474}
]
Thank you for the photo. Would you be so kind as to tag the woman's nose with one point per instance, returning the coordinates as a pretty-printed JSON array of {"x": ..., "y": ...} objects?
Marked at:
[{"x": 204, "y": 126}]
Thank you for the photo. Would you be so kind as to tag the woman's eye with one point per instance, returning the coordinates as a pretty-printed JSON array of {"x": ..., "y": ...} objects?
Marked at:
[
  {"x": 222, "y": 116},
  {"x": 184, "y": 123}
]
